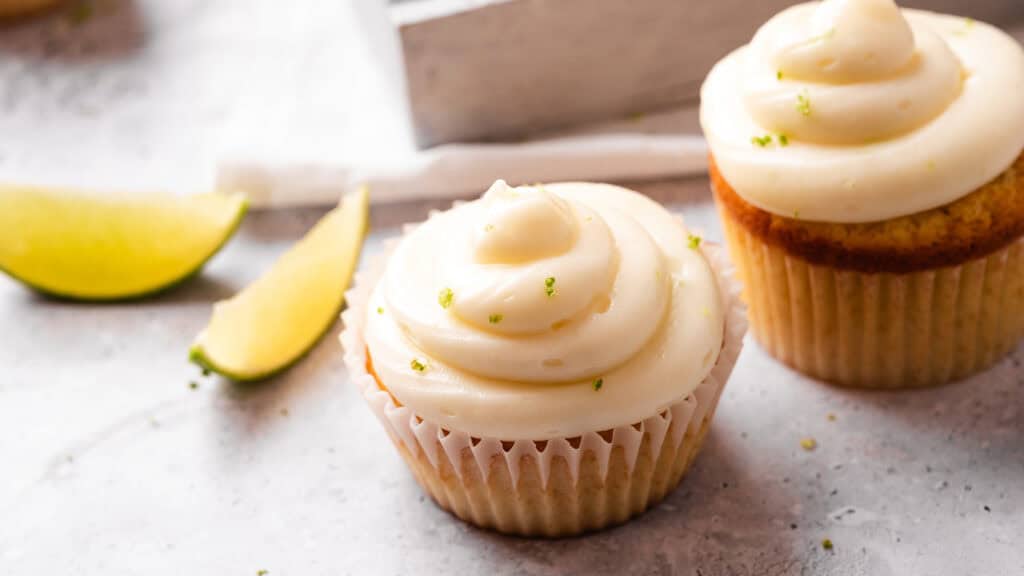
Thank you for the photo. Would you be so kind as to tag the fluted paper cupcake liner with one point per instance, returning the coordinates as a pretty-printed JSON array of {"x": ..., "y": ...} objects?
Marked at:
[
  {"x": 880, "y": 330},
  {"x": 551, "y": 487}
]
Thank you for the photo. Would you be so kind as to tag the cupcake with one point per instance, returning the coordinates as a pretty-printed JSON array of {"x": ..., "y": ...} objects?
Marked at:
[
  {"x": 866, "y": 162},
  {"x": 546, "y": 359}
]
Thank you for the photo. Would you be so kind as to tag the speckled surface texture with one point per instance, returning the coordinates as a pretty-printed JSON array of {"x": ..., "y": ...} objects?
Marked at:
[{"x": 113, "y": 464}]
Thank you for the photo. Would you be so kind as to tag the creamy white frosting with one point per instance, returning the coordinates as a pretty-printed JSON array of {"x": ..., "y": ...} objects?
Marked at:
[
  {"x": 514, "y": 305},
  {"x": 864, "y": 112}
]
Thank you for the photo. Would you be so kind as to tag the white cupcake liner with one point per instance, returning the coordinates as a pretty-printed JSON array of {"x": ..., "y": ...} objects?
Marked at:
[
  {"x": 881, "y": 330},
  {"x": 420, "y": 436}
]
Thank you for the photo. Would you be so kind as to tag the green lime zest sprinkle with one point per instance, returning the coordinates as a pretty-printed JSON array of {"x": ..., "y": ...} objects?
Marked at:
[
  {"x": 549, "y": 286},
  {"x": 81, "y": 12},
  {"x": 444, "y": 298},
  {"x": 826, "y": 544},
  {"x": 417, "y": 365},
  {"x": 380, "y": 310},
  {"x": 803, "y": 103},
  {"x": 193, "y": 385},
  {"x": 598, "y": 384},
  {"x": 778, "y": 74},
  {"x": 828, "y": 34},
  {"x": 495, "y": 318},
  {"x": 766, "y": 140},
  {"x": 693, "y": 241}
]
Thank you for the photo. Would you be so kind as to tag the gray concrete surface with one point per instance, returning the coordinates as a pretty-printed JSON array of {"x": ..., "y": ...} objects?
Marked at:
[{"x": 111, "y": 464}]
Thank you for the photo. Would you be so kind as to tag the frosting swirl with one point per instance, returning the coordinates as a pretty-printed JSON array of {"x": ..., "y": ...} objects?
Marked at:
[
  {"x": 498, "y": 316},
  {"x": 855, "y": 111}
]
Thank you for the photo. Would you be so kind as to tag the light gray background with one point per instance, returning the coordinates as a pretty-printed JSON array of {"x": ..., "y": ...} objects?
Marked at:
[
  {"x": 111, "y": 464},
  {"x": 575, "y": 61}
]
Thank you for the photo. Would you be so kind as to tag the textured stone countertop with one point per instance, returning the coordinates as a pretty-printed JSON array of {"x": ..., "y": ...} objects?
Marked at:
[{"x": 111, "y": 464}]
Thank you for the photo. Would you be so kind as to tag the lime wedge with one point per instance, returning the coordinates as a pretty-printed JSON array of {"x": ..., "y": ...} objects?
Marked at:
[
  {"x": 87, "y": 246},
  {"x": 275, "y": 321}
]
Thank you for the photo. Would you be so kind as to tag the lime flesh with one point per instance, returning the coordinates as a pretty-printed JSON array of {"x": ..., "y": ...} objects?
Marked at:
[
  {"x": 87, "y": 246},
  {"x": 276, "y": 320}
]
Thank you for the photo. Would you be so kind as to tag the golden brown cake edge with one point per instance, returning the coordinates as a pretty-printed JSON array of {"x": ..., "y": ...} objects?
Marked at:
[{"x": 984, "y": 221}]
